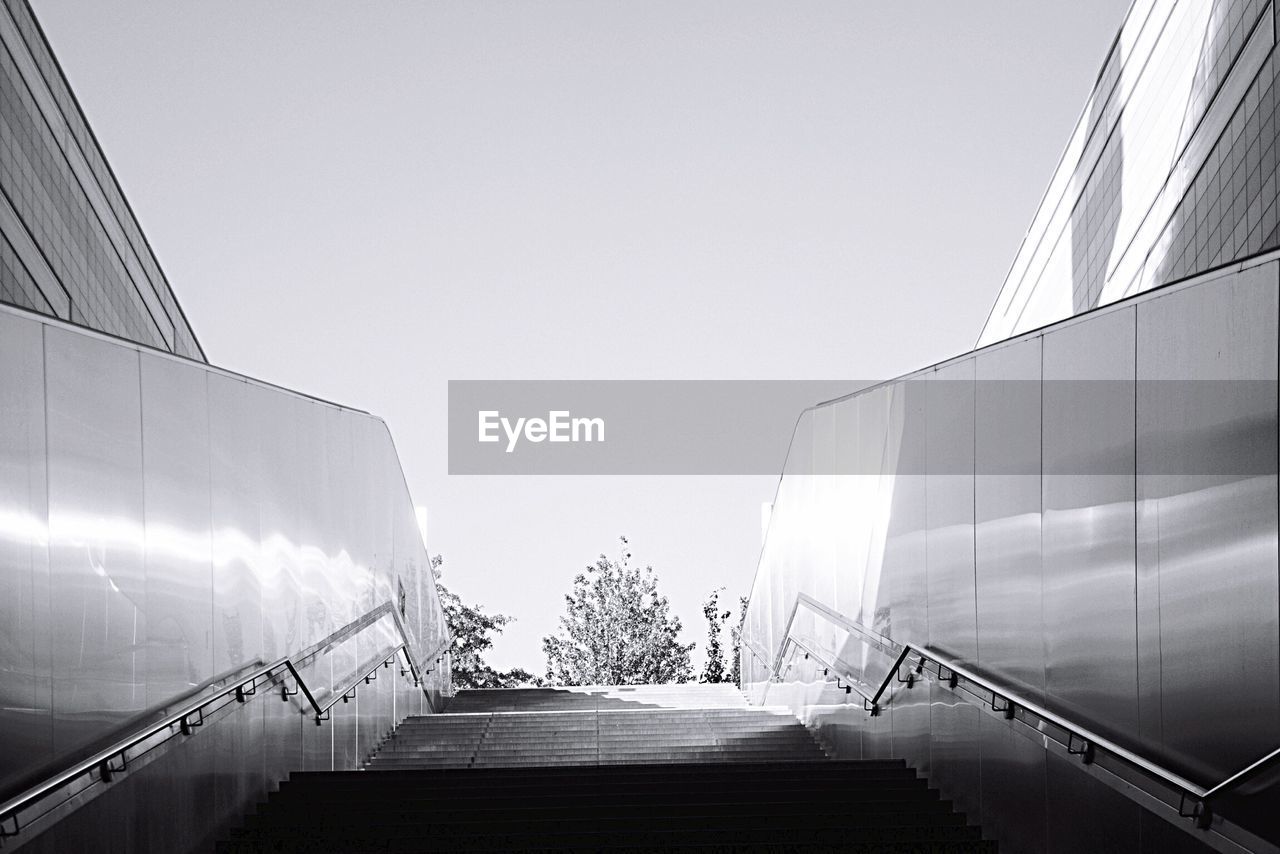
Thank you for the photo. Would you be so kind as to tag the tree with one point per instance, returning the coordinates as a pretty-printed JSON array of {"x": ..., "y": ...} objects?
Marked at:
[
  {"x": 617, "y": 629},
  {"x": 713, "y": 670},
  {"x": 735, "y": 667},
  {"x": 471, "y": 628},
  {"x": 716, "y": 668}
]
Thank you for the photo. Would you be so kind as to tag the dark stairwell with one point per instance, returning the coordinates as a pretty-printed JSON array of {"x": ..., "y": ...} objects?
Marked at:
[{"x": 644, "y": 768}]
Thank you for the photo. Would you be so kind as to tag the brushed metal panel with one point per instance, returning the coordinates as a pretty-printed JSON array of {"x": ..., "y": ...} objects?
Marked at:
[
  {"x": 376, "y": 700},
  {"x": 327, "y": 588},
  {"x": 850, "y": 525},
  {"x": 1084, "y": 814},
  {"x": 796, "y": 509},
  {"x": 172, "y": 794},
  {"x": 955, "y": 767},
  {"x": 912, "y": 727},
  {"x": 903, "y": 487},
  {"x": 875, "y": 502},
  {"x": 1090, "y": 617},
  {"x": 1007, "y": 498},
  {"x": 238, "y": 767},
  {"x": 776, "y": 606},
  {"x": 295, "y": 611},
  {"x": 287, "y": 506},
  {"x": 1157, "y": 836},
  {"x": 839, "y": 728},
  {"x": 380, "y": 498},
  {"x": 244, "y": 562},
  {"x": 317, "y": 741},
  {"x": 179, "y": 562},
  {"x": 26, "y": 736},
  {"x": 108, "y": 824},
  {"x": 96, "y": 558},
  {"x": 1207, "y": 515},
  {"x": 877, "y": 735},
  {"x": 1013, "y": 788},
  {"x": 786, "y": 537},
  {"x": 281, "y": 738},
  {"x": 235, "y": 468},
  {"x": 817, "y": 549},
  {"x": 952, "y": 597},
  {"x": 376, "y": 715},
  {"x": 344, "y": 724}
]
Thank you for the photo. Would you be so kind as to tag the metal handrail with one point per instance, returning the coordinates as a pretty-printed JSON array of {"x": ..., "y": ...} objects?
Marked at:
[
  {"x": 191, "y": 714},
  {"x": 142, "y": 718},
  {"x": 322, "y": 712},
  {"x": 868, "y": 703},
  {"x": 415, "y": 667},
  {"x": 761, "y": 656},
  {"x": 879, "y": 641},
  {"x": 1243, "y": 774},
  {"x": 1081, "y": 740}
]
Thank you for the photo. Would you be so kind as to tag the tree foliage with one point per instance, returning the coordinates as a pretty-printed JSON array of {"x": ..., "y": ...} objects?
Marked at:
[
  {"x": 714, "y": 668},
  {"x": 735, "y": 666},
  {"x": 472, "y": 630},
  {"x": 617, "y": 629}
]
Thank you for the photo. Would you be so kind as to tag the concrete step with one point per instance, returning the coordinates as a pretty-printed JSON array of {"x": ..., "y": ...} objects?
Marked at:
[
  {"x": 925, "y": 802},
  {"x": 592, "y": 727},
  {"x": 555, "y": 742},
  {"x": 666, "y": 714},
  {"x": 603, "y": 784}
]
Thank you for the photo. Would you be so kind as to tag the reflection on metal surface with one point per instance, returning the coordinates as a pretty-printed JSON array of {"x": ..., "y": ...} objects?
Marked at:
[
  {"x": 1112, "y": 563},
  {"x": 1006, "y": 515},
  {"x": 243, "y": 684},
  {"x": 99, "y": 614},
  {"x": 1201, "y": 532},
  {"x": 1148, "y": 190},
  {"x": 952, "y": 595},
  {"x": 800, "y": 672},
  {"x": 1089, "y": 583},
  {"x": 162, "y": 521},
  {"x": 26, "y": 734}
]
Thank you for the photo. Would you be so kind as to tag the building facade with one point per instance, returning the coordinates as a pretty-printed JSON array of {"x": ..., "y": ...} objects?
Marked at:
[
  {"x": 70, "y": 245},
  {"x": 1170, "y": 172}
]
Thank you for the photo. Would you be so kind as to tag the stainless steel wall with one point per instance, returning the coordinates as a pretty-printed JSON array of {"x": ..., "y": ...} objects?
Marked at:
[
  {"x": 162, "y": 522},
  {"x": 1085, "y": 515}
]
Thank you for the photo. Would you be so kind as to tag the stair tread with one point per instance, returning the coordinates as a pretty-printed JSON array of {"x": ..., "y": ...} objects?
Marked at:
[{"x": 618, "y": 768}]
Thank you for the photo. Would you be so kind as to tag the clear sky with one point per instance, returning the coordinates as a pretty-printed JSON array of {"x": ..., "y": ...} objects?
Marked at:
[{"x": 365, "y": 200}]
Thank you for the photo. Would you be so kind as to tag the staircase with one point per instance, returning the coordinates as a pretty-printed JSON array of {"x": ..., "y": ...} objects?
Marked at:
[
  {"x": 603, "y": 726},
  {"x": 607, "y": 768}
]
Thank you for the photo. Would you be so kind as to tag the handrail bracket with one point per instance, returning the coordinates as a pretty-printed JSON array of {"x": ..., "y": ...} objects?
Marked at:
[
  {"x": 1201, "y": 813},
  {"x": 186, "y": 724},
  {"x": 1008, "y": 709},
  {"x": 106, "y": 772},
  {"x": 1085, "y": 751}
]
